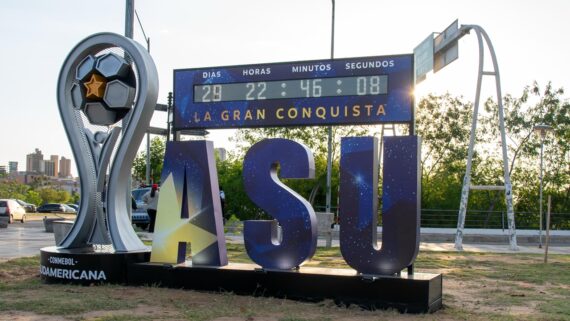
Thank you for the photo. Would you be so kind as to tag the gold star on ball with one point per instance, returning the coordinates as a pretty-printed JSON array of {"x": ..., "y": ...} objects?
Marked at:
[{"x": 95, "y": 87}]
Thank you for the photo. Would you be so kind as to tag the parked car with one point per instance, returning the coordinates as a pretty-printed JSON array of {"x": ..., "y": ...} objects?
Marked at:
[
  {"x": 74, "y": 206},
  {"x": 30, "y": 208},
  {"x": 13, "y": 210},
  {"x": 54, "y": 208},
  {"x": 139, "y": 216},
  {"x": 138, "y": 194},
  {"x": 69, "y": 209}
]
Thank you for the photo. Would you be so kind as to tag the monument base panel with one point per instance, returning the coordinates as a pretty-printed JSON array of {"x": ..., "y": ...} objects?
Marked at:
[
  {"x": 87, "y": 265},
  {"x": 417, "y": 293}
]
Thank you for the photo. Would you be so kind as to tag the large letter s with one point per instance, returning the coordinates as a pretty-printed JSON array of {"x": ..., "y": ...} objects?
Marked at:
[{"x": 294, "y": 214}]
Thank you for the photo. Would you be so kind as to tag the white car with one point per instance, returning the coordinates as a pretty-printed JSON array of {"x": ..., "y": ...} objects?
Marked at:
[{"x": 11, "y": 209}]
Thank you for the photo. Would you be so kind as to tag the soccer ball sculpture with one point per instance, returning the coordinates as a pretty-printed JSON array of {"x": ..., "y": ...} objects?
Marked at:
[{"x": 104, "y": 88}]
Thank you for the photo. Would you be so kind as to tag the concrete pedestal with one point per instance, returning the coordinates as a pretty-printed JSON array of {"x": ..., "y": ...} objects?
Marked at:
[
  {"x": 48, "y": 223},
  {"x": 324, "y": 222},
  {"x": 60, "y": 229},
  {"x": 4, "y": 222}
]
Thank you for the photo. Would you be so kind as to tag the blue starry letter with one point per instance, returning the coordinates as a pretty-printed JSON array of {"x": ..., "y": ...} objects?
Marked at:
[
  {"x": 358, "y": 203},
  {"x": 291, "y": 211}
]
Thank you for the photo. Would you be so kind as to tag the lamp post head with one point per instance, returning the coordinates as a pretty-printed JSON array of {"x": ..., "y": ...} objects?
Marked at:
[{"x": 542, "y": 130}]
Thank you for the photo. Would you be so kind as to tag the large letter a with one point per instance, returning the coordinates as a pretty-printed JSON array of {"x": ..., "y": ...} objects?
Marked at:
[{"x": 189, "y": 209}]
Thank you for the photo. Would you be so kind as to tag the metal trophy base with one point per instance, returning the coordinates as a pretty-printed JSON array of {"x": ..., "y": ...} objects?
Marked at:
[
  {"x": 417, "y": 293},
  {"x": 88, "y": 265}
]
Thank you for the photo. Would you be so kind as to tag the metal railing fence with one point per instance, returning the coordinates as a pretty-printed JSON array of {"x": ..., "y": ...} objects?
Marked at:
[{"x": 444, "y": 218}]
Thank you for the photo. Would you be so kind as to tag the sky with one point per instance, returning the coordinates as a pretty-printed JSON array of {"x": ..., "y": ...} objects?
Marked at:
[{"x": 529, "y": 37}]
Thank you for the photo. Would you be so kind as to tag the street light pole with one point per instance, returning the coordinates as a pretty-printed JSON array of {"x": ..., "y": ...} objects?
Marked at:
[
  {"x": 129, "y": 18},
  {"x": 542, "y": 130},
  {"x": 147, "y": 173},
  {"x": 540, "y": 192},
  {"x": 329, "y": 131}
]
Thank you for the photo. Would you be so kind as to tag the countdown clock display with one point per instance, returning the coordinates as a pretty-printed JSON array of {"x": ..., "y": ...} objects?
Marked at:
[{"x": 366, "y": 90}]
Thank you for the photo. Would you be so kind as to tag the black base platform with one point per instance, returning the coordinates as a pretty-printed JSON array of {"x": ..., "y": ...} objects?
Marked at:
[
  {"x": 417, "y": 293},
  {"x": 87, "y": 265}
]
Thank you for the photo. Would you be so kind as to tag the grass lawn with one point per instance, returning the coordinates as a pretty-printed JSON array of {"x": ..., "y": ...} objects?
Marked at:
[{"x": 476, "y": 287}]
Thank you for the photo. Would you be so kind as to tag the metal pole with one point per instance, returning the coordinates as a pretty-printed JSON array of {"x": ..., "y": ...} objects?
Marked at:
[
  {"x": 332, "y": 30},
  {"x": 467, "y": 178},
  {"x": 329, "y": 170},
  {"x": 129, "y": 26},
  {"x": 147, "y": 39},
  {"x": 129, "y": 18},
  {"x": 506, "y": 175},
  {"x": 148, "y": 158},
  {"x": 168, "y": 111},
  {"x": 540, "y": 193},
  {"x": 547, "y": 230},
  {"x": 329, "y": 131}
]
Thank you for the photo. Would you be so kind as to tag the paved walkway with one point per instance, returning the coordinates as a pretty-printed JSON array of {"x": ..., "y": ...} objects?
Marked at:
[
  {"x": 447, "y": 247},
  {"x": 20, "y": 240}
]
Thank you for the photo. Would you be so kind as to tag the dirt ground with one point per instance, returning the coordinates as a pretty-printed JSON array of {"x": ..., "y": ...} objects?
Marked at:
[{"x": 473, "y": 290}]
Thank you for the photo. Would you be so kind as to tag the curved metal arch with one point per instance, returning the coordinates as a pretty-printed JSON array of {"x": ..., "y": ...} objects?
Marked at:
[{"x": 482, "y": 37}]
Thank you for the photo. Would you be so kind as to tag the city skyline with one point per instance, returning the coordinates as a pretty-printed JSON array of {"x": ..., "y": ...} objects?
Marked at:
[
  {"x": 528, "y": 38},
  {"x": 54, "y": 166}
]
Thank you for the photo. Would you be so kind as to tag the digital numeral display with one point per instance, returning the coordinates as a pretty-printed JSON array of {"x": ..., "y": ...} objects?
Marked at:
[{"x": 298, "y": 88}]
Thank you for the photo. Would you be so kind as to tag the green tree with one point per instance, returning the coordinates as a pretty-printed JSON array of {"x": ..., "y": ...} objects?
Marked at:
[
  {"x": 157, "y": 148},
  {"x": 33, "y": 197},
  {"x": 12, "y": 189},
  {"x": 535, "y": 106},
  {"x": 314, "y": 137},
  {"x": 50, "y": 195},
  {"x": 231, "y": 181},
  {"x": 443, "y": 123},
  {"x": 75, "y": 197}
]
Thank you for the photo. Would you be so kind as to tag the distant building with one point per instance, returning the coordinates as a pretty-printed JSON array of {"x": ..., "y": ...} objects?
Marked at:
[
  {"x": 34, "y": 162},
  {"x": 68, "y": 184},
  {"x": 37, "y": 180},
  {"x": 13, "y": 167},
  {"x": 50, "y": 168},
  {"x": 64, "y": 167},
  {"x": 43, "y": 181},
  {"x": 3, "y": 170},
  {"x": 55, "y": 160}
]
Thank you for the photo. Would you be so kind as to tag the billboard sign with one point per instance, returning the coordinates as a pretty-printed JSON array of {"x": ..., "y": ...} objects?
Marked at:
[
  {"x": 368, "y": 90},
  {"x": 446, "y": 48},
  {"x": 423, "y": 58}
]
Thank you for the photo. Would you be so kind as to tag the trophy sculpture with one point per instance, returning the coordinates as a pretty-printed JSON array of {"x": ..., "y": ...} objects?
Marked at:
[{"x": 107, "y": 91}]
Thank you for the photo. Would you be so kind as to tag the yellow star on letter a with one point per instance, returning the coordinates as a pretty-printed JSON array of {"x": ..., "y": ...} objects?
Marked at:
[
  {"x": 95, "y": 87},
  {"x": 171, "y": 230}
]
